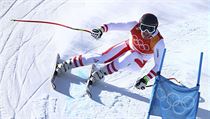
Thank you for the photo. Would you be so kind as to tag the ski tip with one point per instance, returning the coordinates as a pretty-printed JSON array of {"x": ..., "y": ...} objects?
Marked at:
[
  {"x": 58, "y": 56},
  {"x": 89, "y": 94},
  {"x": 55, "y": 73},
  {"x": 54, "y": 86}
]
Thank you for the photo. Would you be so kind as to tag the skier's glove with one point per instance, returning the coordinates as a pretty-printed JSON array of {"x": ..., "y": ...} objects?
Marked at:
[
  {"x": 141, "y": 83},
  {"x": 97, "y": 33}
]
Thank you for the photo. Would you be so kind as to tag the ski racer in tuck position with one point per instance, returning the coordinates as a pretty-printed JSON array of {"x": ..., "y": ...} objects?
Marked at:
[{"x": 145, "y": 42}]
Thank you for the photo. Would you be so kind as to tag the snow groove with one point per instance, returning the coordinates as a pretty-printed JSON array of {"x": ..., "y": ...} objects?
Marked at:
[
  {"x": 1, "y": 34},
  {"x": 34, "y": 59},
  {"x": 59, "y": 5},
  {"x": 13, "y": 53},
  {"x": 16, "y": 51},
  {"x": 30, "y": 66},
  {"x": 7, "y": 39},
  {"x": 33, "y": 94},
  {"x": 115, "y": 101},
  {"x": 37, "y": 5},
  {"x": 8, "y": 8}
]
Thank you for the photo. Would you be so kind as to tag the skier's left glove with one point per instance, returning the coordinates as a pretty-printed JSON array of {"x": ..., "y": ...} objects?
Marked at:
[
  {"x": 97, "y": 33},
  {"x": 141, "y": 83}
]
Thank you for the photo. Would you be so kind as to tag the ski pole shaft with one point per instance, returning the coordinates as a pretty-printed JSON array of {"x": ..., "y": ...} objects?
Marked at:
[
  {"x": 149, "y": 85},
  {"x": 168, "y": 79},
  {"x": 53, "y": 23}
]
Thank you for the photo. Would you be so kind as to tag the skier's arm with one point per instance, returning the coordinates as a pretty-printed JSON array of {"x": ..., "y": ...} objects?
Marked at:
[
  {"x": 119, "y": 26},
  {"x": 158, "y": 53},
  {"x": 97, "y": 33}
]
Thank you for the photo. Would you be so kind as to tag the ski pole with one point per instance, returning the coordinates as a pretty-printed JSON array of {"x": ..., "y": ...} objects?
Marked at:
[
  {"x": 168, "y": 79},
  {"x": 53, "y": 23}
]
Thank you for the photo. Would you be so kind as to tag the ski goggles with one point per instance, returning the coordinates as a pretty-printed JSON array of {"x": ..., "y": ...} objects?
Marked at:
[{"x": 149, "y": 28}]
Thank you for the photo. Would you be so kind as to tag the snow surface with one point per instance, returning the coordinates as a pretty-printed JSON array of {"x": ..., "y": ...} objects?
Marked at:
[{"x": 28, "y": 52}]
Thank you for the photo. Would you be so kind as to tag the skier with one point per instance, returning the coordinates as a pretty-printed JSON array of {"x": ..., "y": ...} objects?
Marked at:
[{"x": 145, "y": 42}]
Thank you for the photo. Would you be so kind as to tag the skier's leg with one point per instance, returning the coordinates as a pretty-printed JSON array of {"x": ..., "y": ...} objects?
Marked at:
[
  {"x": 109, "y": 55},
  {"x": 118, "y": 64},
  {"x": 124, "y": 61},
  {"x": 83, "y": 60},
  {"x": 129, "y": 58}
]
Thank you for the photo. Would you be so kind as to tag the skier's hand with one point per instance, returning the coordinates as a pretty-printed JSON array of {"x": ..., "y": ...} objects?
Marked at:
[
  {"x": 97, "y": 33},
  {"x": 141, "y": 83}
]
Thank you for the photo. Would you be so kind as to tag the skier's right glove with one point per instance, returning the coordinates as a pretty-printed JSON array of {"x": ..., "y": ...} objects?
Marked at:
[
  {"x": 141, "y": 83},
  {"x": 97, "y": 33}
]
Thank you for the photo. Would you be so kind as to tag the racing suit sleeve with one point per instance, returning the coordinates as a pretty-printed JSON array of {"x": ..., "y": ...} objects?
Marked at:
[
  {"x": 119, "y": 26},
  {"x": 158, "y": 53}
]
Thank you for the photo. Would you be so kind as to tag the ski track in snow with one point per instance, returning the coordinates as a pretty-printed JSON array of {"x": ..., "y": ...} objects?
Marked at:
[
  {"x": 27, "y": 50},
  {"x": 4, "y": 13},
  {"x": 33, "y": 63}
]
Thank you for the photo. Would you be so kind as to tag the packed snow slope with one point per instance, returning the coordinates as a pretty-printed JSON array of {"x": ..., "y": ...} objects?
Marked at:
[{"x": 28, "y": 52}]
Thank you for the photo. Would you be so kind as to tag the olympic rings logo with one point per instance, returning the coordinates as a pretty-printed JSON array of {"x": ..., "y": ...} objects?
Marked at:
[
  {"x": 172, "y": 101},
  {"x": 140, "y": 44}
]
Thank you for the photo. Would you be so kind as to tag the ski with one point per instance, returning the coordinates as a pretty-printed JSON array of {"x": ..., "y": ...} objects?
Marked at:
[
  {"x": 88, "y": 87},
  {"x": 89, "y": 82},
  {"x": 53, "y": 81},
  {"x": 55, "y": 73}
]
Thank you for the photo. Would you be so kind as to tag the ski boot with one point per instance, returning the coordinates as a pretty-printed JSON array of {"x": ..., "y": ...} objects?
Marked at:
[
  {"x": 95, "y": 75},
  {"x": 63, "y": 66}
]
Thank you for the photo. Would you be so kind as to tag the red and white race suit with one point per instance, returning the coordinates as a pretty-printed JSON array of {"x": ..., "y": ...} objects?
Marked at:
[{"x": 136, "y": 50}]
